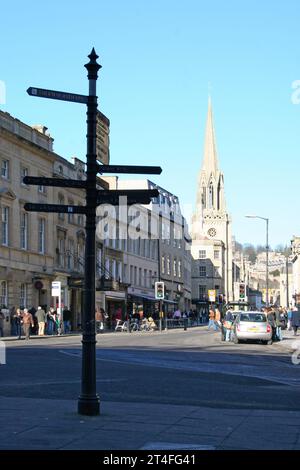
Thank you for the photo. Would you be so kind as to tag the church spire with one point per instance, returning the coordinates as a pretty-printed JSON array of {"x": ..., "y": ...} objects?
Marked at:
[{"x": 210, "y": 159}]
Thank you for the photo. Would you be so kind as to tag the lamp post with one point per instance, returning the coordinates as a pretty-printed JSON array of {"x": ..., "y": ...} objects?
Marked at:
[
  {"x": 287, "y": 281},
  {"x": 267, "y": 252}
]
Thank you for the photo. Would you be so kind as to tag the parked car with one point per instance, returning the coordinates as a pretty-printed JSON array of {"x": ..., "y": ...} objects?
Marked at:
[{"x": 252, "y": 326}]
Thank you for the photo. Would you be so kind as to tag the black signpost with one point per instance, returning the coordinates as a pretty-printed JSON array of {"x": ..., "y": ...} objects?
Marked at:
[{"x": 89, "y": 402}]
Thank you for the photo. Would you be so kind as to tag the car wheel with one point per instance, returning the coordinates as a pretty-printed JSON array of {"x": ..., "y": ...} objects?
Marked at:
[
  {"x": 269, "y": 342},
  {"x": 236, "y": 340}
]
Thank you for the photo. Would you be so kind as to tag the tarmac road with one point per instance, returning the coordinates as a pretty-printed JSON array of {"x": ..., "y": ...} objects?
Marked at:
[{"x": 177, "y": 367}]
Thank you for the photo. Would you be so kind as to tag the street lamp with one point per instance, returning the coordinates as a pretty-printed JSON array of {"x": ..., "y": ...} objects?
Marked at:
[{"x": 267, "y": 252}]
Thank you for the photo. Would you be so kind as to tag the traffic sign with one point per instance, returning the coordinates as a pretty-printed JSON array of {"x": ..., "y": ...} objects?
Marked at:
[
  {"x": 211, "y": 295},
  {"x": 56, "y": 288},
  {"x": 133, "y": 169},
  {"x": 63, "y": 183},
  {"x": 57, "y": 95},
  {"x": 55, "y": 208}
]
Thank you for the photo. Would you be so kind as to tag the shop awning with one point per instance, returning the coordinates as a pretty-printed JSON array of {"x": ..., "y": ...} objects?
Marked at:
[{"x": 143, "y": 296}]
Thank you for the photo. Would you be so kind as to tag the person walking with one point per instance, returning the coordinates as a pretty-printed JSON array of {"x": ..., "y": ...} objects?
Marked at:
[
  {"x": 278, "y": 322},
  {"x": 41, "y": 318},
  {"x": 50, "y": 321},
  {"x": 100, "y": 315},
  {"x": 228, "y": 324},
  {"x": 295, "y": 320},
  {"x": 271, "y": 320},
  {"x": 2, "y": 317},
  {"x": 27, "y": 323},
  {"x": 67, "y": 315},
  {"x": 211, "y": 321},
  {"x": 17, "y": 322},
  {"x": 218, "y": 318},
  {"x": 289, "y": 317}
]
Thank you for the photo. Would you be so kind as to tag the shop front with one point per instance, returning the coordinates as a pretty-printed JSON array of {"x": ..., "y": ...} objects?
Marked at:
[
  {"x": 115, "y": 307},
  {"x": 141, "y": 302}
]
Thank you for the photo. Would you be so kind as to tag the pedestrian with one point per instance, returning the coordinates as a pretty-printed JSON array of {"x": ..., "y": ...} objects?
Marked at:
[
  {"x": 271, "y": 320},
  {"x": 2, "y": 318},
  {"x": 67, "y": 315},
  {"x": 177, "y": 314},
  {"x": 278, "y": 322},
  {"x": 41, "y": 318},
  {"x": 295, "y": 320},
  {"x": 35, "y": 327},
  {"x": 12, "y": 323},
  {"x": 18, "y": 322},
  {"x": 211, "y": 321},
  {"x": 218, "y": 318},
  {"x": 289, "y": 316},
  {"x": 100, "y": 316},
  {"x": 27, "y": 322},
  {"x": 50, "y": 321},
  {"x": 228, "y": 325}
]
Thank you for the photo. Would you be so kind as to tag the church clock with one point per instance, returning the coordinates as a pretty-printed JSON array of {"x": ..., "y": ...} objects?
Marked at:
[{"x": 212, "y": 232}]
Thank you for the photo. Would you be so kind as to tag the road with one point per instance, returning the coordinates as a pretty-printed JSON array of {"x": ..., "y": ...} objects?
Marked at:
[{"x": 176, "y": 367}]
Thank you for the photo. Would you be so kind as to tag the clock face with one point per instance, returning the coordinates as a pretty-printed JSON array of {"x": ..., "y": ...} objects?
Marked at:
[{"x": 212, "y": 232}]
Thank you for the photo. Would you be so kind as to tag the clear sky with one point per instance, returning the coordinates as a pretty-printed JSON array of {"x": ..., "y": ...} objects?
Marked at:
[{"x": 158, "y": 58}]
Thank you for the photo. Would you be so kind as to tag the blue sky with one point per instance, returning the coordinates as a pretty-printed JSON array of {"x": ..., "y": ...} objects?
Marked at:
[{"x": 158, "y": 58}]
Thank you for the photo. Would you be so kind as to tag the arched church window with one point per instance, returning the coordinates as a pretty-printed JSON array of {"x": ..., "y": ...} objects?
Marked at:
[
  {"x": 211, "y": 196},
  {"x": 203, "y": 198}
]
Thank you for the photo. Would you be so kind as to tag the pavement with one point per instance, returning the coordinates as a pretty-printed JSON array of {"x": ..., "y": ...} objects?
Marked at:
[
  {"x": 54, "y": 424},
  {"x": 48, "y": 424}
]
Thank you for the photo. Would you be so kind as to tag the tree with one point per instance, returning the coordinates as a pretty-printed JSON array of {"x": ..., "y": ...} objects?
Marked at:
[
  {"x": 275, "y": 273},
  {"x": 249, "y": 251}
]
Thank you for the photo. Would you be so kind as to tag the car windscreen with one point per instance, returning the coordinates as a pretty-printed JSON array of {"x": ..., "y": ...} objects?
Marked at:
[{"x": 253, "y": 317}]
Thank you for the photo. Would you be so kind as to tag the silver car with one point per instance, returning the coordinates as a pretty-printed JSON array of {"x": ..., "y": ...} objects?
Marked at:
[{"x": 253, "y": 326}]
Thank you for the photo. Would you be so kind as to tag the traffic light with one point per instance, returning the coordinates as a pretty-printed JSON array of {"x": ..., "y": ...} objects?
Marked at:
[
  {"x": 242, "y": 291},
  {"x": 159, "y": 290}
]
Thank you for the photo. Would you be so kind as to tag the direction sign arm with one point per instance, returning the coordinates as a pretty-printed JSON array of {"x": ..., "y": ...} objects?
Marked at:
[
  {"x": 60, "y": 182},
  {"x": 31, "y": 207},
  {"x": 57, "y": 95},
  {"x": 130, "y": 169},
  {"x": 127, "y": 196}
]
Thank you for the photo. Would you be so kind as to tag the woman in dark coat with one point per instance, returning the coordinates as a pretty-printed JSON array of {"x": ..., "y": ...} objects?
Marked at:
[{"x": 295, "y": 320}]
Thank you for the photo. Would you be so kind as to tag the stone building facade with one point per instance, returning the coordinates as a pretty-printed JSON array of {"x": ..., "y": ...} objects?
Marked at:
[
  {"x": 171, "y": 242},
  {"x": 38, "y": 248}
]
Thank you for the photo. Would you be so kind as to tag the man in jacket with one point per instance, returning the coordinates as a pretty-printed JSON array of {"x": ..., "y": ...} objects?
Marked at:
[
  {"x": 295, "y": 321},
  {"x": 27, "y": 323},
  {"x": 41, "y": 318}
]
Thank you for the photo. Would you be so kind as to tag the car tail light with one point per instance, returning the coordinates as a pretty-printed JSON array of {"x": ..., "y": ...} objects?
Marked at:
[
  {"x": 268, "y": 329},
  {"x": 238, "y": 328}
]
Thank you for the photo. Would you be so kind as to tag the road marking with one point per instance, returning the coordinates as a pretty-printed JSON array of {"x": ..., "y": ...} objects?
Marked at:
[
  {"x": 175, "y": 446},
  {"x": 242, "y": 370}
]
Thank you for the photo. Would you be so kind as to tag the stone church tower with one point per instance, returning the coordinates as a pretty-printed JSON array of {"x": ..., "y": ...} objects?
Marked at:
[{"x": 211, "y": 223}]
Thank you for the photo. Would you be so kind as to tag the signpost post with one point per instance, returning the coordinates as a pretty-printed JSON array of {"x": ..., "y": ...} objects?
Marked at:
[
  {"x": 89, "y": 402},
  {"x": 56, "y": 292}
]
